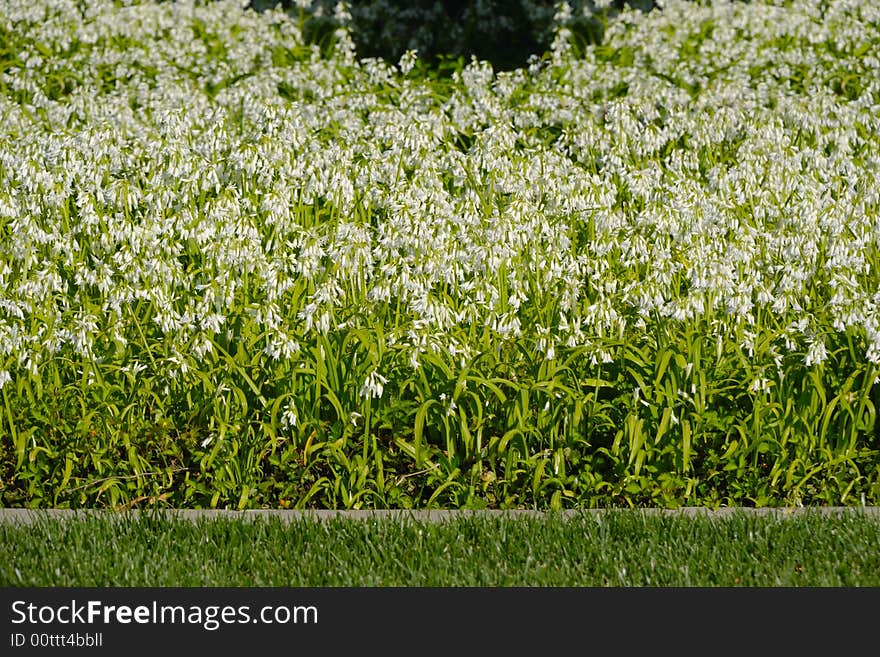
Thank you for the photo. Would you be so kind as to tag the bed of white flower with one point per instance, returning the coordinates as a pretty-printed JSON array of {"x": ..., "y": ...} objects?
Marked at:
[{"x": 239, "y": 270}]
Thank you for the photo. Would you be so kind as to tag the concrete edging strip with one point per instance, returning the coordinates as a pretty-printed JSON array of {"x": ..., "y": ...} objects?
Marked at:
[{"x": 285, "y": 515}]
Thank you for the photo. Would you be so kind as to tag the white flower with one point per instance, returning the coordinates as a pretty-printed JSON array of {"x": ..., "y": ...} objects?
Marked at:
[
  {"x": 289, "y": 418},
  {"x": 341, "y": 13},
  {"x": 815, "y": 352},
  {"x": 407, "y": 62},
  {"x": 373, "y": 386},
  {"x": 760, "y": 384}
]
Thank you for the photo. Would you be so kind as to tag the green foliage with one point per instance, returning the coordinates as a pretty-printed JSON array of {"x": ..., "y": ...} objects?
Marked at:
[{"x": 362, "y": 406}]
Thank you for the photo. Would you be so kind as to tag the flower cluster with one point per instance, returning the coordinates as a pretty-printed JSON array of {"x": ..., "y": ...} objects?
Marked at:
[{"x": 169, "y": 171}]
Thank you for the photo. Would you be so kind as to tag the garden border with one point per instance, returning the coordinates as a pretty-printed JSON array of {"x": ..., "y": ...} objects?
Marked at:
[{"x": 418, "y": 515}]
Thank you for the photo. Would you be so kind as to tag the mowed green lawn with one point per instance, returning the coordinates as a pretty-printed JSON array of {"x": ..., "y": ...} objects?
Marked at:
[
  {"x": 613, "y": 548},
  {"x": 239, "y": 269}
]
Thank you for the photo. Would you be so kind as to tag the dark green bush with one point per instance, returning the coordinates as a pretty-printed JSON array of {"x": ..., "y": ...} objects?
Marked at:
[{"x": 503, "y": 33}]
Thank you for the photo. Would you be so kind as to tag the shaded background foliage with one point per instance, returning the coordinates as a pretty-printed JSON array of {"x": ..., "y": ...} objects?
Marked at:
[{"x": 503, "y": 33}]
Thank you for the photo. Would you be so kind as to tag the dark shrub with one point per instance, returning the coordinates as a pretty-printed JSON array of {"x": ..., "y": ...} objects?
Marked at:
[{"x": 503, "y": 33}]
